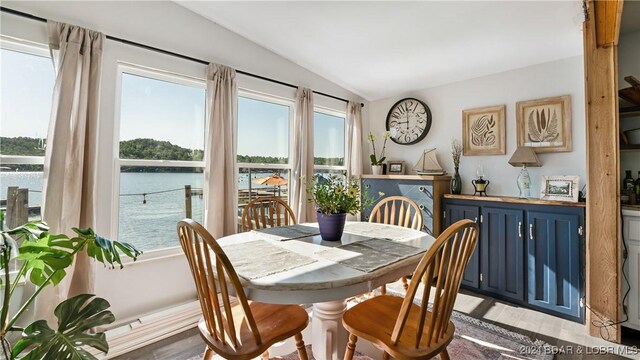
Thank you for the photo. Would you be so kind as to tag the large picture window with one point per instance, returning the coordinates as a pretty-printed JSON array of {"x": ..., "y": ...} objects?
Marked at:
[
  {"x": 329, "y": 142},
  {"x": 263, "y": 148},
  {"x": 161, "y": 156},
  {"x": 26, "y": 89}
]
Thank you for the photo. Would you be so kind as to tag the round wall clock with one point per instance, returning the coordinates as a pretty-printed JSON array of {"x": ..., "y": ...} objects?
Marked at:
[{"x": 409, "y": 121}]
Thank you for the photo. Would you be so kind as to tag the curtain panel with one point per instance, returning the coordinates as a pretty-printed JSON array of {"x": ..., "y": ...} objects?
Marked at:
[
  {"x": 221, "y": 191},
  {"x": 302, "y": 160},
  {"x": 354, "y": 139},
  {"x": 70, "y": 166}
]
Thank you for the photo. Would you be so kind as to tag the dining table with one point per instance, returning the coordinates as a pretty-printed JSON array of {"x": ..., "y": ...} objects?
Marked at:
[{"x": 293, "y": 265}]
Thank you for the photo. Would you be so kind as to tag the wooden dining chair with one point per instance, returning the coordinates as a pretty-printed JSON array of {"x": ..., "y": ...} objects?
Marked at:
[
  {"x": 234, "y": 328},
  {"x": 405, "y": 330},
  {"x": 264, "y": 212},
  {"x": 400, "y": 211}
]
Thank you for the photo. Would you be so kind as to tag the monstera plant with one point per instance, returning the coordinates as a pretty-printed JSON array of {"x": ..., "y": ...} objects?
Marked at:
[{"x": 42, "y": 259}]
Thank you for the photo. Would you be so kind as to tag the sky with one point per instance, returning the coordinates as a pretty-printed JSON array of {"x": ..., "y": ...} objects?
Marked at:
[{"x": 156, "y": 109}]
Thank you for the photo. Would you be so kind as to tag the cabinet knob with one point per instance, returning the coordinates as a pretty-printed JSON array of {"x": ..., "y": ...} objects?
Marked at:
[{"x": 421, "y": 207}]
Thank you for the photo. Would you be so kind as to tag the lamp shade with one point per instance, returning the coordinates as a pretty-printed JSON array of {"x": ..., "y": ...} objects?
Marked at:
[{"x": 524, "y": 156}]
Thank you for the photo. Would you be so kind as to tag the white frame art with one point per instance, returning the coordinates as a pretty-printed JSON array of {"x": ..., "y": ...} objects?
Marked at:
[{"x": 560, "y": 188}]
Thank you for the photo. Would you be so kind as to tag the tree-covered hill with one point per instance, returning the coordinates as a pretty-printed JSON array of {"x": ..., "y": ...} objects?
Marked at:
[
  {"x": 24, "y": 146},
  {"x": 151, "y": 149}
]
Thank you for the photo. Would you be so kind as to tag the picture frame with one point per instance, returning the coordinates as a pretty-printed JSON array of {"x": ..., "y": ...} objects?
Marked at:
[
  {"x": 483, "y": 131},
  {"x": 395, "y": 167},
  {"x": 560, "y": 188},
  {"x": 545, "y": 124}
]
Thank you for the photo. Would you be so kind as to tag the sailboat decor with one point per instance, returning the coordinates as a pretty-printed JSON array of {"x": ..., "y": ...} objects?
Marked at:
[{"x": 428, "y": 164}]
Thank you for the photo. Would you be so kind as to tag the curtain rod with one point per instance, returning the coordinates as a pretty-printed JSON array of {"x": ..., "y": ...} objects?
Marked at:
[{"x": 171, "y": 53}]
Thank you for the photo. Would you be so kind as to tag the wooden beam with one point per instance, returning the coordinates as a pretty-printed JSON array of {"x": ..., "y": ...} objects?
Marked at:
[
  {"x": 603, "y": 177},
  {"x": 608, "y": 15}
]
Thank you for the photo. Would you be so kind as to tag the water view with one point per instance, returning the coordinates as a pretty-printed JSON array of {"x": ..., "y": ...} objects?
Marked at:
[{"x": 151, "y": 203}]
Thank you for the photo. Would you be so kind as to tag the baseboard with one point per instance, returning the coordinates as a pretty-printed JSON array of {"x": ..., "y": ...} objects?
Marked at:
[{"x": 151, "y": 328}]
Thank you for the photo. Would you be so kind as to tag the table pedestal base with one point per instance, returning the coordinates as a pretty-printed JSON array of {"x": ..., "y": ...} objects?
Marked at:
[{"x": 329, "y": 336}]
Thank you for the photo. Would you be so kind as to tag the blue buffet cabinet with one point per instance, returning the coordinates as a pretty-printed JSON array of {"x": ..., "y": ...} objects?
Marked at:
[
  {"x": 426, "y": 191},
  {"x": 530, "y": 252}
]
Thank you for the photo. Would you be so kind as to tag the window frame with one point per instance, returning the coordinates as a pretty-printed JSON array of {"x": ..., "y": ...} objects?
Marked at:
[
  {"x": 29, "y": 48},
  {"x": 336, "y": 113},
  {"x": 260, "y": 96},
  {"x": 123, "y": 67}
]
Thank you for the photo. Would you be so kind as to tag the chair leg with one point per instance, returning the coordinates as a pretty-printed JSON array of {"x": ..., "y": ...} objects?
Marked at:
[
  {"x": 385, "y": 355},
  {"x": 351, "y": 347},
  {"x": 405, "y": 283},
  {"x": 383, "y": 289},
  {"x": 265, "y": 355},
  {"x": 444, "y": 355},
  {"x": 208, "y": 354},
  {"x": 302, "y": 351}
]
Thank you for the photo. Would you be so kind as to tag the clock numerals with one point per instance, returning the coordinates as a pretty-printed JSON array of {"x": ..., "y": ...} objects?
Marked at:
[{"x": 411, "y": 119}]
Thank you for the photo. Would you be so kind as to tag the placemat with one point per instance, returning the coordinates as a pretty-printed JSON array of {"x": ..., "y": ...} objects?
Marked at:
[
  {"x": 282, "y": 233},
  {"x": 380, "y": 232},
  {"x": 272, "y": 260},
  {"x": 369, "y": 255}
]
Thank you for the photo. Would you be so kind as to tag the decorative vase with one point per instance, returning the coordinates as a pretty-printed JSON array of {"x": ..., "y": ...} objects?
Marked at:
[
  {"x": 376, "y": 169},
  {"x": 331, "y": 226},
  {"x": 456, "y": 183}
]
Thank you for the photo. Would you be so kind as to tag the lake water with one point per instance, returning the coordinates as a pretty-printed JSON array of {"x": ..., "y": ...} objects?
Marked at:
[{"x": 150, "y": 225}]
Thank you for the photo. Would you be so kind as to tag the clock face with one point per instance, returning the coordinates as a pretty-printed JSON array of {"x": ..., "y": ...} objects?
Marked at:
[{"x": 409, "y": 121}]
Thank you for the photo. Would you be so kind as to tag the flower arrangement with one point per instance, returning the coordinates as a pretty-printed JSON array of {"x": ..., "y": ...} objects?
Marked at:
[
  {"x": 372, "y": 139},
  {"x": 332, "y": 195},
  {"x": 456, "y": 152}
]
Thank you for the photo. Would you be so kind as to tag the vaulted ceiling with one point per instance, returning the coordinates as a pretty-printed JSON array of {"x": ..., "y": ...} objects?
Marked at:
[{"x": 382, "y": 49}]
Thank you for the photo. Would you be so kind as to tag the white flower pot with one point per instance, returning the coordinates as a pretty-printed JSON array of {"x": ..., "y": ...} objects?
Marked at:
[{"x": 376, "y": 169}]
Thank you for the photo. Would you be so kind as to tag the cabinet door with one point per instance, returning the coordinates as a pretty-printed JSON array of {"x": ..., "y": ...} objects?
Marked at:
[
  {"x": 553, "y": 256},
  {"x": 453, "y": 213},
  {"x": 502, "y": 252}
]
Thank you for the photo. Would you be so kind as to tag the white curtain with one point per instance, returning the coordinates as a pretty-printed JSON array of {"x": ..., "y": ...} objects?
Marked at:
[
  {"x": 354, "y": 139},
  {"x": 70, "y": 166},
  {"x": 302, "y": 160},
  {"x": 221, "y": 191}
]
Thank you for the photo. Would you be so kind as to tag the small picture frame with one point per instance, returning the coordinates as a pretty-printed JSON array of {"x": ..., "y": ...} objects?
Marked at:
[
  {"x": 545, "y": 124},
  {"x": 483, "y": 131},
  {"x": 395, "y": 167},
  {"x": 560, "y": 188}
]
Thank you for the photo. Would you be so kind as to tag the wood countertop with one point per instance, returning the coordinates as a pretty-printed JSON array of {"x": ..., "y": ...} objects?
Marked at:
[
  {"x": 408, "y": 177},
  {"x": 513, "y": 200}
]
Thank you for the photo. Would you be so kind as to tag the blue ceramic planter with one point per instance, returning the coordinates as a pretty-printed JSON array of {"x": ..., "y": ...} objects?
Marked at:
[{"x": 331, "y": 226}]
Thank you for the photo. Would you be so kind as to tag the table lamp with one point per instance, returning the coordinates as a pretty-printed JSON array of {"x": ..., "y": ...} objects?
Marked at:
[{"x": 524, "y": 156}]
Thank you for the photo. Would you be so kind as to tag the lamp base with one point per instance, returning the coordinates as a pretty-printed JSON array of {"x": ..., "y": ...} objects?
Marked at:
[{"x": 524, "y": 183}]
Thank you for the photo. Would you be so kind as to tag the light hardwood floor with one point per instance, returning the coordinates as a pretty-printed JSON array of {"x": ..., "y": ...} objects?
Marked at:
[{"x": 536, "y": 325}]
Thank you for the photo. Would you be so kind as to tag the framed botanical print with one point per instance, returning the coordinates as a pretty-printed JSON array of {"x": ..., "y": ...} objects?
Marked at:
[
  {"x": 483, "y": 131},
  {"x": 560, "y": 188},
  {"x": 545, "y": 124}
]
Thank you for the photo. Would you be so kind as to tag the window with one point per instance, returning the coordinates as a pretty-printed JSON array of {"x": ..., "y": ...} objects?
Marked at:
[
  {"x": 329, "y": 142},
  {"x": 161, "y": 156},
  {"x": 26, "y": 88},
  {"x": 263, "y": 148}
]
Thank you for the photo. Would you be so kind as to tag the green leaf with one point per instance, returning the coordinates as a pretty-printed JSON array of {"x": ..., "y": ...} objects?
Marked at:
[
  {"x": 373, "y": 159},
  {"x": 382, "y": 160},
  {"x": 76, "y": 316}
]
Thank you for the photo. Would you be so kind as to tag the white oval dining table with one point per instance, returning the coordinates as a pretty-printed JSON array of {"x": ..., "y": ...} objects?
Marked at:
[{"x": 325, "y": 283}]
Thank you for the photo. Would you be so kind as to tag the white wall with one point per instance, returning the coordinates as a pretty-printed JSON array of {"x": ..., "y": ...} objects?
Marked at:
[
  {"x": 562, "y": 77},
  {"x": 161, "y": 279},
  {"x": 629, "y": 64}
]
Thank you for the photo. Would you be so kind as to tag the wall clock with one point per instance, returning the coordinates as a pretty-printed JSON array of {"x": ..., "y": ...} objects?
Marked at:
[{"x": 409, "y": 121}]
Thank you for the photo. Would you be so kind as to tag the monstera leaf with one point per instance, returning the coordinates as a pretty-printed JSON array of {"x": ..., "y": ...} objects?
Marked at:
[
  {"x": 103, "y": 249},
  {"x": 76, "y": 316}
]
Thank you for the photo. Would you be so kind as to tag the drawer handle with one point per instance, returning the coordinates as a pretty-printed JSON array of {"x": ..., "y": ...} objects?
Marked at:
[
  {"x": 421, "y": 188},
  {"x": 520, "y": 229},
  {"x": 475, "y": 220},
  {"x": 367, "y": 186},
  {"x": 421, "y": 207},
  {"x": 531, "y": 231}
]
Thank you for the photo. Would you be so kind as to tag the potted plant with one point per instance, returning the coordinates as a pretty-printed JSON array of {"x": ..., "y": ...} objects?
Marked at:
[
  {"x": 334, "y": 199},
  {"x": 42, "y": 258},
  {"x": 376, "y": 162}
]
